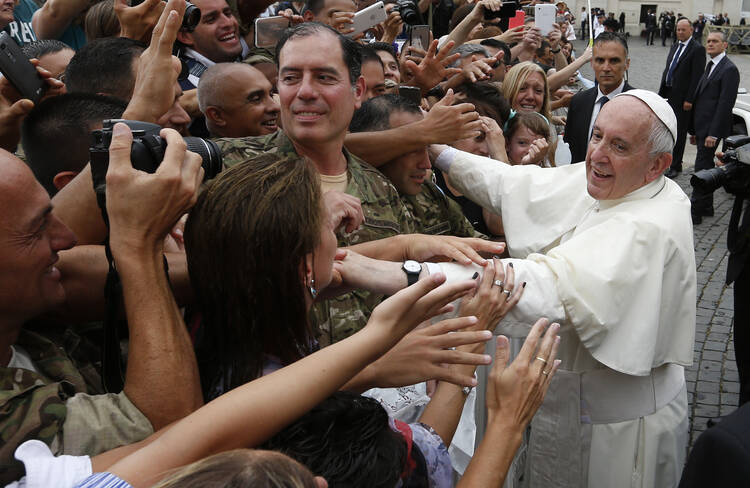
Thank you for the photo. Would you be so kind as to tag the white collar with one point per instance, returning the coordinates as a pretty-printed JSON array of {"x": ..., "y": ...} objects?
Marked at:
[
  {"x": 718, "y": 58},
  {"x": 611, "y": 94},
  {"x": 643, "y": 193},
  {"x": 192, "y": 53}
]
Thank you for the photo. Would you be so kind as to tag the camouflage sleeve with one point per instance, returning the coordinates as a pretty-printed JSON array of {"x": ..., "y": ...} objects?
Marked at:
[
  {"x": 98, "y": 423},
  {"x": 236, "y": 150},
  {"x": 461, "y": 225},
  {"x": 404, "y": 218},
  {"x": 29, "y": 412}
]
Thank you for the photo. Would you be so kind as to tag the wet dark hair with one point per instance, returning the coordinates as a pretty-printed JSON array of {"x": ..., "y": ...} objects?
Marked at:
[
  {"x": 37, "y": 49},
  {"x": 349, "y": 48},
  {"x": 104, "y": 66},
  {"x": 607, "y": 36}
]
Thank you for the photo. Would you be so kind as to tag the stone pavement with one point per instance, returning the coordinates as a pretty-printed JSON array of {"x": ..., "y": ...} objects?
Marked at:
[{"x": 712, "y": 380}]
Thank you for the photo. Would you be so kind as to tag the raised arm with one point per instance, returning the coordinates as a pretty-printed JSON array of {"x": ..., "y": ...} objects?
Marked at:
[
  {"x": 250, "y": 414},
  {"x": 50, "y": 21},
  {"x": 560, "y": 78}
]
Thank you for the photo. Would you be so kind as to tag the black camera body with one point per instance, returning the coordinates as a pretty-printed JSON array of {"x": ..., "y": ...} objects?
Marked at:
[
  {"x": 734, "y": 175},
  {"x": 507, "y": 11},
  {"x": 146, "y": 153},
  {"x": 409, "y": 11},
  {"x": 190, "y": 19}
]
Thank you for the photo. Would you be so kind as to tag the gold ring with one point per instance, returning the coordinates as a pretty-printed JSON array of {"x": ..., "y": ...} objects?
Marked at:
[
  {"x": 545, "y": 373},
  {"x": 541, "y": 359}
]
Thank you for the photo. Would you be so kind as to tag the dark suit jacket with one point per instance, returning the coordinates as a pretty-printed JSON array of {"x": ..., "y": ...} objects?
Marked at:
[
  {"x": 579, "y": 118},
  {"x": 714, "y": 99},
  {"x": 686, "y": 74},
  {"x": 721, "y": 455}
]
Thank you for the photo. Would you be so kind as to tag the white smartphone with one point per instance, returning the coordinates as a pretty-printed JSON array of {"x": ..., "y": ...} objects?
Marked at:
[
  {"x": 268, "y": 30},
  {"x": 544, "y": 17},
  {"x": 368, "y": 17}
]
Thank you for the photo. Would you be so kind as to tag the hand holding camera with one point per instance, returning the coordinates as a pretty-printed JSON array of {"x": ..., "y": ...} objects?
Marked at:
[{"x": 144, "y": 207}]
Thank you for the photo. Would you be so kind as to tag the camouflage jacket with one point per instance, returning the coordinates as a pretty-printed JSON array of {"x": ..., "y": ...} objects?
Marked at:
[
  {"x": 32, "y": 405},
  {"x": 434, "y": 213},
  {"x": 385, "y": 216}
]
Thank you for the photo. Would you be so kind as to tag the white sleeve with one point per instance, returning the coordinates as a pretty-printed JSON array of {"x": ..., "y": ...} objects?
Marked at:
[
  {"x": 540, "y": 298},
  {"x": 44, "y": 470}
]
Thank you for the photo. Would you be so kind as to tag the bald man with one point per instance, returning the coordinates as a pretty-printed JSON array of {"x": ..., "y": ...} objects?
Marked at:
[
  {"x": 237, "y": 101},
  {"x": 43, "y": 393}
]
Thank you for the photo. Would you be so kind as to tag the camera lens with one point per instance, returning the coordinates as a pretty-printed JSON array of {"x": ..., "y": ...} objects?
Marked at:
[
  {"x": 192, "y": 17},
  {"x": 209, "y": 153},
  {"x": 708, "y": 180}
]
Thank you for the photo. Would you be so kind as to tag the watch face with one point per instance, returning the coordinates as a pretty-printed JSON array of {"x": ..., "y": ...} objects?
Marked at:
[{"x": 412, "y": 266}]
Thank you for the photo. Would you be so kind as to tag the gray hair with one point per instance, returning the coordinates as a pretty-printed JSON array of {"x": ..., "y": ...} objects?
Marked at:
[
  {"x": 466, "y": 50},
  {"x": 660, "y": 139}
]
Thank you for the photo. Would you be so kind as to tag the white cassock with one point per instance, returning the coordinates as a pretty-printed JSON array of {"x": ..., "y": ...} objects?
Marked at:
[{"x": 619, "y": 276}]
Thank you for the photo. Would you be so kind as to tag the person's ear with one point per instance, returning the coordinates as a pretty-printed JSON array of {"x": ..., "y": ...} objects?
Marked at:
[
  {"x": 321, "y": 482},
  {"x": 63, "y": 178},
  {"x": 359, "y": 91},
  {"x": 306, "y": 270},
  {"x": 658, "y": 166},
  {"x": 185, "y": 37},
  {"x": 216, "y": 116}
]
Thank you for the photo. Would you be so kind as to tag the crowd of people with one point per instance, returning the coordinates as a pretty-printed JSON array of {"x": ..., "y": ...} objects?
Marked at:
[{"x": 347, "y": 258}]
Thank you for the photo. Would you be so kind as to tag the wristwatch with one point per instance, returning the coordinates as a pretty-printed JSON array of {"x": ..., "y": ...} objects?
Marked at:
[{"x": 412, "y": 270}]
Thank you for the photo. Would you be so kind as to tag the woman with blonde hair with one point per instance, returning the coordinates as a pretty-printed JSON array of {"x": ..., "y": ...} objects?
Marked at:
[{"x": 526, "y": 88}]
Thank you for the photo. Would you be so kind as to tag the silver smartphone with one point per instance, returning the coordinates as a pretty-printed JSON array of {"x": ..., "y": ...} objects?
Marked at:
[
  {"x": 268, "y": 30},
  {"x": 368, "y": 17},
  {"x": 419, "y": 36}
]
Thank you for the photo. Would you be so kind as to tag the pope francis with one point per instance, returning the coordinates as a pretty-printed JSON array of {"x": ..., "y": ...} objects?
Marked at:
[{"x": 606, "y": 248}]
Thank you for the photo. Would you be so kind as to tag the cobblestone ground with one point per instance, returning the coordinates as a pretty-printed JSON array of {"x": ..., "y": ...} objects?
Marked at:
[{"x": 712, "y": 380}]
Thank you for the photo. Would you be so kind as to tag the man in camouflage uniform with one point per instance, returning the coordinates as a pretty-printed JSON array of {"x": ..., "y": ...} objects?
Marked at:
[
  {"x": 45, "y": 392},
  {"x": 319, "y": 87},
  {"x": 433, "y": 212}
]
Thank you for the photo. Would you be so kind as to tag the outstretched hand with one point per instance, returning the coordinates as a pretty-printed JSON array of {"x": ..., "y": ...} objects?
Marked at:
[
  {"x": 515, "y": 391},
  {"x": 446, "y": 123},
  {"x": 138, "y": 22},
  {"x": 425, "y": 299},
  {"x": 433, "y": 68},
  {"x": 428, "y": 352},
  {"x": 465, "y": 250},
  {"x": 158, "y": 70},
  {"x": 495, "y": 296},
  {"x": 143, "y": 208}
]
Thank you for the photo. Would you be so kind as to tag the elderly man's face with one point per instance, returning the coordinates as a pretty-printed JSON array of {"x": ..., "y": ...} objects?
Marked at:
[
  {"x": 317, "y": 98},
  {"x": 30, "y": 237},
  {"x": 617, "y": 160}
]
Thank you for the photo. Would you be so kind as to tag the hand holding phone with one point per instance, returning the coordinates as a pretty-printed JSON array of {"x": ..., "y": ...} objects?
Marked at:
[
  {"x": 368, "y": 17},
  {"x": 19, "y": 71}
]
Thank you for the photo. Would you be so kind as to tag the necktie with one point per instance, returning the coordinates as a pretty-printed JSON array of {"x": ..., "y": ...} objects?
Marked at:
[
  {"x": 708, "y": 69},
  {"x": 673, "y": 65},
  {"x": 604, "y": 99}
]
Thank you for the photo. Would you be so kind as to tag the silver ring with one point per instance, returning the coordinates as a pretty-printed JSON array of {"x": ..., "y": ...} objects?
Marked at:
[
  {"x": 499, "y": 283},
  {"x": 540, "y": 359},
  {"x": 508, "y": 292},
  {"x": 545, "y": 373}
]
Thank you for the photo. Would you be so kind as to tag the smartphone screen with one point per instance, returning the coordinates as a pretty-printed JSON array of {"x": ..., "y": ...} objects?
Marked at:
[
  {"x": 419, "y": 36},
  {"x": 269, "y": 30}
]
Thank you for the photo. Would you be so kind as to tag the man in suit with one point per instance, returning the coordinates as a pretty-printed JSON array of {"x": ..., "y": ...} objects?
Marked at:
[
  {"x": 610, "y": 61},
  {"x": 678, "y": 83},
  {"x": 711, "y": 118},
  {"x": 721, "y": 455}
]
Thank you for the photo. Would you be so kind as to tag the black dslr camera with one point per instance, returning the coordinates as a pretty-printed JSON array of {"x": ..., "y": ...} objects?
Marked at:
[
  {"x": 734, "y": 176},
  {"x": 146, "y": 154},
  {"x": 189, "y": 20},
  {"x": 409, "y": 12}
]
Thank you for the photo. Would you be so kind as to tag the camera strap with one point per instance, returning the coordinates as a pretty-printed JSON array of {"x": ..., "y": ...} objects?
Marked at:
[{"x": 112, "y": 375}]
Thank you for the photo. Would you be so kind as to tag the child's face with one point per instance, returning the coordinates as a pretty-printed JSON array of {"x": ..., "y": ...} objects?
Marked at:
[{"x": 519, "y": 144}]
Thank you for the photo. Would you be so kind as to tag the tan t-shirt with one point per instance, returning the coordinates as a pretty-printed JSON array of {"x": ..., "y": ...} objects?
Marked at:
[{"x": 336, "y": 182}]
